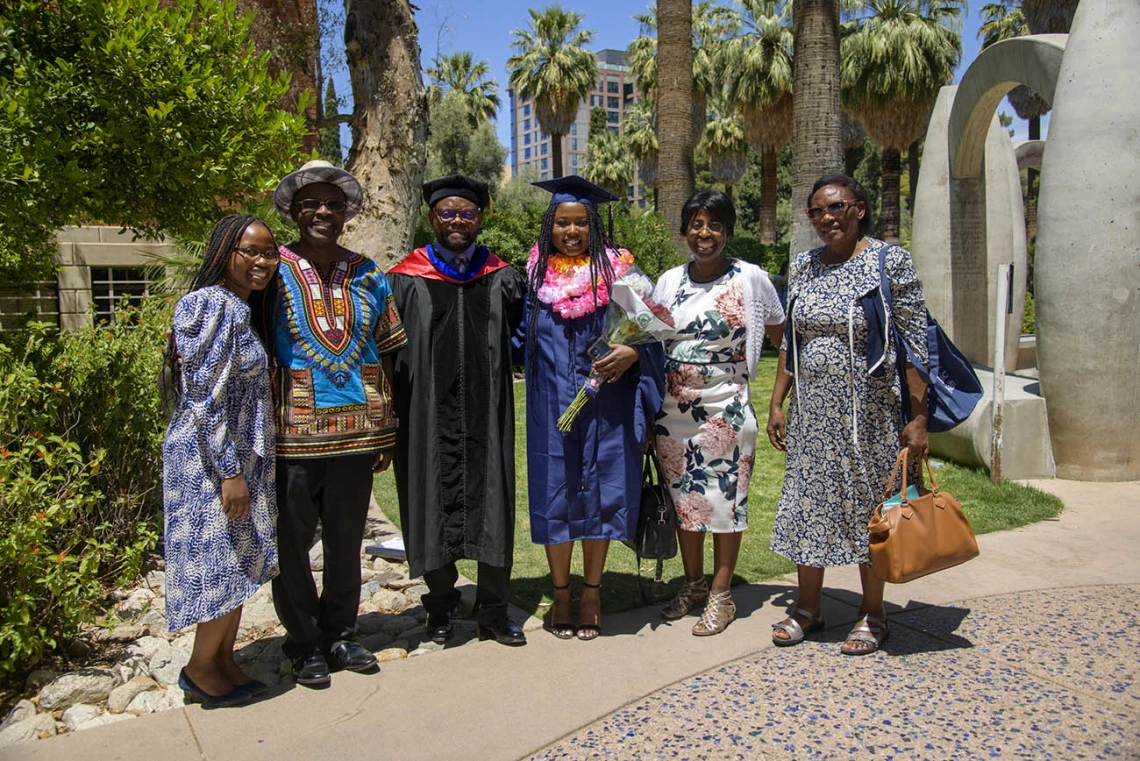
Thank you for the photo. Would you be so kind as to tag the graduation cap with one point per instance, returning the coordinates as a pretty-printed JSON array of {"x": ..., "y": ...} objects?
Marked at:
[
  {"x": 457, "y": 186},
  {"x": 575, "y": 189}
]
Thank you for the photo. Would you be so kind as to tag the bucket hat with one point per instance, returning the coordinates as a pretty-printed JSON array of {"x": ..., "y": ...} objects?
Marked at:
[{"x": 319, "y": 171}]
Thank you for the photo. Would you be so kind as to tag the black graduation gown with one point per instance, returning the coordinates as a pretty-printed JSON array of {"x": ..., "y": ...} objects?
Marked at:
[{"x": 454, "y": 398}]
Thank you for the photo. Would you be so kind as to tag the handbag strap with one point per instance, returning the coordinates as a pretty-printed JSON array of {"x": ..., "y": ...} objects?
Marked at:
[
  {"x": 930, "y": 472},
  {"x": 894, "y": 474}
]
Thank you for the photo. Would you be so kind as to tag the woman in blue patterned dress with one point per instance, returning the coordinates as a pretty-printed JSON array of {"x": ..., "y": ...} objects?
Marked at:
[
  {"x": 218, "y": 456},
  {"x": 843, "y": 429},
  {"x": 706, "y": 431}
]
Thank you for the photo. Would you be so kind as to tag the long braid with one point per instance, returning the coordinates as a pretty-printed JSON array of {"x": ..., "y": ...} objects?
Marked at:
[
  {"x": 223, "y": 240},
  {"x": 599, "y": 265}
]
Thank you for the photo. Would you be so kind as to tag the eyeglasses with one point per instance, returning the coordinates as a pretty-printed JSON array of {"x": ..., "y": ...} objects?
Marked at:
[
  {"x": 268, "y": 254},
  {"x": 697, "y": 225},
  {"x": 834, "y": 209},
  {"x": 334, "y": 205},
  {"x": 449, "y": 214}
]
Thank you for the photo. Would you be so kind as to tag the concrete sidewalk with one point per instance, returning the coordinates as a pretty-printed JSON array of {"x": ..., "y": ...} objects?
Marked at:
[{"x": 1032, "y": 649}]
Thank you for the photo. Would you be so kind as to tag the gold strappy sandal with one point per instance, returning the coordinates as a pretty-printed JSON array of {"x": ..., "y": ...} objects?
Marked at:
[{"x": 720, "y": 610}]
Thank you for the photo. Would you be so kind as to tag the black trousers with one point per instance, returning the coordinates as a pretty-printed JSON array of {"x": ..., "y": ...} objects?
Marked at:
[
  {"x": 491, "y": 592},
  {"x": 336, "y": 492}
]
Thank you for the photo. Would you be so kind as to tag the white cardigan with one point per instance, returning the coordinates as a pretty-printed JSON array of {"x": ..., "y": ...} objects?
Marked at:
[{"x": 761, "y": 303}]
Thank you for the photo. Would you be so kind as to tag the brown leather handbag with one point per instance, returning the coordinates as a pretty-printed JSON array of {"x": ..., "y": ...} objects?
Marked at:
[{"x": 919, "y": 534}]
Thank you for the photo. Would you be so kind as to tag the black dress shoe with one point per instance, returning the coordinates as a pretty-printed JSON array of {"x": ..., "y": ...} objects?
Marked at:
[
  {"x": 505, "y": 632},
  {"x": 438, "y": 627},
  {"x": 350, "y": 656},
  {"x": 311, "y": 669}
]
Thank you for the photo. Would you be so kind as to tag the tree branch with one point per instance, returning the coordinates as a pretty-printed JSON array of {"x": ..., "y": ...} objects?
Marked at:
[{"x": 329, "y": 121}]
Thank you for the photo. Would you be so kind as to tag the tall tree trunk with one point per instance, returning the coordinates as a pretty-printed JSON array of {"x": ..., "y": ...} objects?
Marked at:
[
  {"x": 728, "y": 192},
  {"x": 389, "y": 131},
  {"x": 674, "y": 111},
  {"x": 768, "y": 195},
  {"x": 850, "y": 161},
  {"x": 817, "y": 141},
  {"x": 1033, "y": 183},
  {"x": 889, "y": 199},
  {"x": 912, "y": 168},
  {"x": 556, "y": 156}
]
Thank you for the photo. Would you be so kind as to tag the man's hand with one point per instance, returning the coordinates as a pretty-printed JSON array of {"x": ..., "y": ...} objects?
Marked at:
[{"x": 382, "y": 460}]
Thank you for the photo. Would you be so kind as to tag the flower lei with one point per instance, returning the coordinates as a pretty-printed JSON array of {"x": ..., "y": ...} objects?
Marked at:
[{"x": 567, "y": 288}]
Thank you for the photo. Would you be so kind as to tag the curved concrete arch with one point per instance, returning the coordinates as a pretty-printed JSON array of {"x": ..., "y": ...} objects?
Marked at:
[
  {"x": 1029, "y": 154},
  {"x": 1033, "y": 61}
]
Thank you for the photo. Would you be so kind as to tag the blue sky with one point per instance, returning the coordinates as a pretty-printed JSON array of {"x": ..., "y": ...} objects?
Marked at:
[{"x": 484, "y": 27}]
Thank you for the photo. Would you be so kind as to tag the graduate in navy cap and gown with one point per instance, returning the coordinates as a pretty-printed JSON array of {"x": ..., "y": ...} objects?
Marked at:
[
  {"x": 454, "y": 397},
  {"x": 585, "y": 484}
]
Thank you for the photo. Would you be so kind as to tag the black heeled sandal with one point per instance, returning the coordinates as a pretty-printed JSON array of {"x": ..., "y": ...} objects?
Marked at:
[
  {"x": 587, "y": 632},
  {"x": 565, "y": 629}
]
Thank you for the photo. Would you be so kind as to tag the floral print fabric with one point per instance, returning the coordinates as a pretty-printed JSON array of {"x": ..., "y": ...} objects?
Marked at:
[
  {"x": 833, "y": 478},
  {"x": 706, "y": 431}
]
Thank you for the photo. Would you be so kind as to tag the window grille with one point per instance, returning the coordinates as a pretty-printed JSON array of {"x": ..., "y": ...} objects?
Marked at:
[{"x": 110, "y": 284}]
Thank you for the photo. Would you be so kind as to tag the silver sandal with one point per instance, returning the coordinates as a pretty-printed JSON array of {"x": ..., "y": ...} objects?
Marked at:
[
  {"x": 719, "y": 612},
  {"x": 692, "y": 595},
  {"x": 871, "y": 631},
  {"x": 794, "y": 630}
]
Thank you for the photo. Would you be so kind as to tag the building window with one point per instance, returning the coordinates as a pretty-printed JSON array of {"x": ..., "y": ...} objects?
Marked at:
[
  {"x": 573, "y": 159},
  {"x": 612, "y": 117},
  {"x": 629, "y": 192},
  {"x": 526, "y": 109},
  {"x": 34, "y": 301},
  {"x": 526, "y": 154},
  {"x": 613, "y": 102},
  {"x": 546, "y": 175},
  {"x": 573, "y": 143},
  {"x": 526, "y": 125},
  {"x": 546, "y": 163},
  {"x": 574, "y": 128},
  {"x": 613, "y": 87},
  {"x": 110, "y": 284},
  {"x": 526, "y": 139},
  {"x": 545, "y": 146}
]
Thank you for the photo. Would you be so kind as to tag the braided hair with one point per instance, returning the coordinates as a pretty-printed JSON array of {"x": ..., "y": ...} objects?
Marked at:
[
  {"x": 262, "y": 304},
  {"x": 599, "y": 267}
]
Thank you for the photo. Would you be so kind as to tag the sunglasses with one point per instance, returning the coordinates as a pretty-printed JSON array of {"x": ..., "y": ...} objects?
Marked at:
[
  {"x": 449, "y": 214},
  {"x": 833, "y": 209},
  {"x": 314, "y": 204}
]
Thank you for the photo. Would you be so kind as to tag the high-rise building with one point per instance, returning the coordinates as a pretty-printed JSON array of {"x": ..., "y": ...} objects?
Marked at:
[{"x": 530, "y": 146}]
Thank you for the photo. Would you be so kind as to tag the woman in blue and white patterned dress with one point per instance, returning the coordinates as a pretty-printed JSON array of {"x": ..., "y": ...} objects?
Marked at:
[
  {"x": 218, "y": 456},
  {"x": 843, "y": 429}
]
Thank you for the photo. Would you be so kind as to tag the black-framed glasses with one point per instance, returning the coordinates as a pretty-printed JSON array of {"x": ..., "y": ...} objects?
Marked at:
[
  {"x": 314, "y": 204},
  {"x": 268, "y": 254},
  {"x": 449, "y": 214},
  {"x": 833, "y": 209},
  {"x": 697, "y": 225}
]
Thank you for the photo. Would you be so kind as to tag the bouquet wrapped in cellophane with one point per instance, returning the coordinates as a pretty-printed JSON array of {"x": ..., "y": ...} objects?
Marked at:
[{"x": 632, "y": 318}]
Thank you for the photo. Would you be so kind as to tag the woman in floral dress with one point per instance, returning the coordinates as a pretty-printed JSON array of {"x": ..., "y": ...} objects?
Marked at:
[
  {"x": 843, "y": 431},
  {"x": 218, "y": 490},
  {"x": 706, "y": 432}
]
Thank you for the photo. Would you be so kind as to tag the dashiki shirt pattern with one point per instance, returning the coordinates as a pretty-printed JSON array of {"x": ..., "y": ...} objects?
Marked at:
[
  {"x": 222, "y": 427},
  {"x": 706, "y": 430},
  {"x": 332, "y": 329}
]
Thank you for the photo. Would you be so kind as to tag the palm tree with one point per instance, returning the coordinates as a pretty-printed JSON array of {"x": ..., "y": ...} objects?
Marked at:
[
  {"x": 816, "y": 123},
  {"x": 552, "y": 67},
  {"x": 640, "y": 141},
  {"x": 758, "y": 66},
  {"x": 675, "y": 110},
  {"x": 608, "y": 164},
  {"x": 461, "y": 73},
  {"x": 726, "y": 146},
  {"x": 1049, "y": 16},
  {"x": 711, "y": 24},
  {"x": 893, "y": 66}
]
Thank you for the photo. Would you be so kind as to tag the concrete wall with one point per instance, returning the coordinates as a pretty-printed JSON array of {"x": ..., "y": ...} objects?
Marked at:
[{"x": 1087, "y": 267}]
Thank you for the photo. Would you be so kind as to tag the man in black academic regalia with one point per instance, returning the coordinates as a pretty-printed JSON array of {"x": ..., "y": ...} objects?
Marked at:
[{"x": 454, "y": 397}]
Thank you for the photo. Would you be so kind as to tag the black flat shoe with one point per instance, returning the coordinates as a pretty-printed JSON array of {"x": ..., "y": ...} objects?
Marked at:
[
  {"x": 311, "y": 669},
  {"x": 439, "y": 628},
  {"x": 504, "y": 632},
  {"x": 350, "y": 656},
  {"x": 234, "y": 697},
  {"x": 255, "y": 687}
]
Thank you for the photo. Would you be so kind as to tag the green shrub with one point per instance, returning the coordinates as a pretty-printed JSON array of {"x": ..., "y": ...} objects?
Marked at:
[
  {"x": 81, "y": 428},
  {"x": 1029, "y": 316},
  {"x": 770, "y": 256}
]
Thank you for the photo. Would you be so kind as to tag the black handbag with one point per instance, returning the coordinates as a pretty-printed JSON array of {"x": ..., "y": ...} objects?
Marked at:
[{"x": 655, "y": 537}]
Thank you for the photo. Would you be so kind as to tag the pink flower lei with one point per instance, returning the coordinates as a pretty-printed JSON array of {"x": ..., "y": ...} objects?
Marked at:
[{"x": 566, "y": 287}]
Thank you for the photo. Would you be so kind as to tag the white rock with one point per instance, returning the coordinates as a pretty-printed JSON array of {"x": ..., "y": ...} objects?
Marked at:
[
  {"x": 390, "y": 601},
  {"x": 165, "y": 666},
  {"x": 172, "y": 698},
  {"x": 23, "y": 710},
  {"x": 107, "y": 718},
  {"x": 156, "y": 582},
  {"x": 154, "y": 619},
  {"x": 391, "y": 654},
  {"x": 83, "y": 686},
  {"x": 259, "y": 616},
  {"x": 137, "y": 602},
  {"x": 44, "y": 724},
  {"x": 79, "y": 714},
  {"x": 146, "y": 647},
  {"x": 39, "y": 678},
  {"x": 184, "y": 642},
  {"x": 122, "y": 695},
  {"x": 317, "y": 557},
  {"x": 144, "y": 702},
  {"x": 27, "y": 730}
]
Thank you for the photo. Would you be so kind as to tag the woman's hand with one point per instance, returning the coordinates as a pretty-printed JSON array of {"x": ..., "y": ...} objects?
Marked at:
[
  {"x": 614, "y": 364},
  {"x": 777, "y": 429},
  {"x": 915, "y": 439},
  {"x": 235, "y": 497}
]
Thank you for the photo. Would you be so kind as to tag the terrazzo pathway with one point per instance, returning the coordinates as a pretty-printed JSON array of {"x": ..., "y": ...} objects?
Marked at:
[{"x": 1051, "y": 674}]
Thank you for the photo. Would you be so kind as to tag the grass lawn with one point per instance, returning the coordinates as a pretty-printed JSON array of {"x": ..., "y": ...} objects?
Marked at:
[{"x": 989, "y": 508}]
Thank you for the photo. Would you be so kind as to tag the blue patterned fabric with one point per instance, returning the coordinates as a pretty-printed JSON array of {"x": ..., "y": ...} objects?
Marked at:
[{"x": 221, "y": 427}]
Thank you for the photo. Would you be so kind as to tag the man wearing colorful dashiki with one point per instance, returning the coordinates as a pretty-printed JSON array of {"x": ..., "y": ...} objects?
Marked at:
[
  {"x": 454, "y": 394},
  {"x": 337, "y": 326}
]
